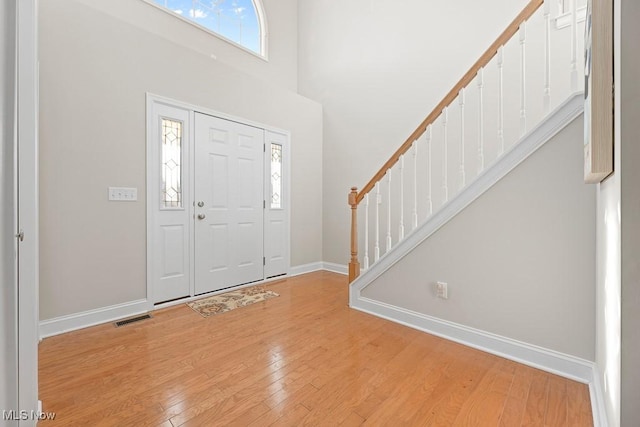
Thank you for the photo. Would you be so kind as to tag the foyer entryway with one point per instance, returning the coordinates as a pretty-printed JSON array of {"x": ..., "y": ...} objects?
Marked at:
[{"x": 217, "y": 203}]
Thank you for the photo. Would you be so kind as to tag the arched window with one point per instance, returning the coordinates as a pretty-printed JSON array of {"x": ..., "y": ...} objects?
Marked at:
[{"x": 239, "y": 21}]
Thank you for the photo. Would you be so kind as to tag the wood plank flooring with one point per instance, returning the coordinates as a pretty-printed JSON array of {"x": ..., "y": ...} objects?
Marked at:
[{"x": 303, "y": 358}]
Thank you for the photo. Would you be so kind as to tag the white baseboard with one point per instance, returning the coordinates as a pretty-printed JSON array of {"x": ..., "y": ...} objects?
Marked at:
[
  {"x": 317, "y": 266},
  {"x": 305, "y": 268},
  {"x": 335, "y": 268},
  {"x": 88, "y": 318},
  {"x": 548, "y": 360}
]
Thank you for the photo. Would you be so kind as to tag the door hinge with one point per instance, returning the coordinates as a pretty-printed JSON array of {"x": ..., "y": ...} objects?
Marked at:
[
  {"x": 264, "y": 261},
  {"x": 264, "y": 148},
  {"x": 20, "y": 235},
  {"x": 264, "y": 204}
]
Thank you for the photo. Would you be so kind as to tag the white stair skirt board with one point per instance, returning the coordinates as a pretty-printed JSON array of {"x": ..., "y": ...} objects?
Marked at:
[
  {"x": 72, "y": 322},
  {"x": 528, "y": 144}
]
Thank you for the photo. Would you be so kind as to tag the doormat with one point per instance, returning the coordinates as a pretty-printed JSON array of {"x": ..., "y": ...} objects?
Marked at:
[{"x": 222, "y": 303}]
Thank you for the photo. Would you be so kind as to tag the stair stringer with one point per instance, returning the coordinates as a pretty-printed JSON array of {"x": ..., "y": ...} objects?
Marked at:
[{"x": 553, "y": 123}]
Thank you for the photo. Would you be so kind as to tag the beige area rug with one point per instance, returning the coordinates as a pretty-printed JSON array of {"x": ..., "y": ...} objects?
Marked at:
[{"x": 222, "y": 303}]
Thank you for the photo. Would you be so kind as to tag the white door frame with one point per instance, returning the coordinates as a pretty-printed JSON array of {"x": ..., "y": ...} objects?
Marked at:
[
  {"x": 152, "y": 99},
  {"x": 27, "y": 151}
]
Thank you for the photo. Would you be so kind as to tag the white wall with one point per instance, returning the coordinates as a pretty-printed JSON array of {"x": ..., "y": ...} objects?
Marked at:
[
  {"x": 95, "y": 70},
  {"x": 281, "y": 16},
  {"x": 8, "y": 287},
  {"x": 378, "y": 68},
  {"x": 629, "y": 156},
  {"x": 518, "y": 260}
]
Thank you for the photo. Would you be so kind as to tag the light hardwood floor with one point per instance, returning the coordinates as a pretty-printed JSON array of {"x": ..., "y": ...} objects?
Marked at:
[{"x": 303, "y": 358}]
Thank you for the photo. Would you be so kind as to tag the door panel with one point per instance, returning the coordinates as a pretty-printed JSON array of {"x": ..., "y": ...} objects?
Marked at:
[
  {"x": 229, "y": 225},
  {"x": 276, "y": 233},
  {"x": 173, "y": 245},
  {"x": 168, "y": 200}
]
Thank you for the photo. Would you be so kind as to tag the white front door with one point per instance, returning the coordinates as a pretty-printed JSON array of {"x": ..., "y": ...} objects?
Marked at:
[{"x": 229, "y": 203}]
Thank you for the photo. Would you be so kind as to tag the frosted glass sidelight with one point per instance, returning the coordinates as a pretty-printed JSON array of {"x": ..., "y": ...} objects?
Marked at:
[
  {"x": 171, "y": 164},
  {"x": 276, "y": 176}
]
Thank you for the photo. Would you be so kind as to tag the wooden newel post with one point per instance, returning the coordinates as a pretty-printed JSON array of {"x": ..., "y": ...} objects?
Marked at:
[{"x": 354, "y": 264}]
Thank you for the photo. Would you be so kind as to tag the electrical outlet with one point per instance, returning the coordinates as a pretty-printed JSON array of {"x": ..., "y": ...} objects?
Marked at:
[{"x": 441, "y": 290}]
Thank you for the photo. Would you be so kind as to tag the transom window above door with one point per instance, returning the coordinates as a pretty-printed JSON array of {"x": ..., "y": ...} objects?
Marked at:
[{"x": 238, "y": 21}]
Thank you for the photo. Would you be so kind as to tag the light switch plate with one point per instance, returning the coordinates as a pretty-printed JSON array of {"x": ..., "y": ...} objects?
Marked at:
[{"x": 123, "y": 194}]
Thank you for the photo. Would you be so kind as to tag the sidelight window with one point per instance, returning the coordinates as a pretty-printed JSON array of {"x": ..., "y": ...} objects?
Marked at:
[
  {"x": 171, "y": 164},
  {"x": 276, "y": 176}
]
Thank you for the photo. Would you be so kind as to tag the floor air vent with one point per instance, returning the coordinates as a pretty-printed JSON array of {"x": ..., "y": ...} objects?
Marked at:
[{"x": 132, "y": 320}]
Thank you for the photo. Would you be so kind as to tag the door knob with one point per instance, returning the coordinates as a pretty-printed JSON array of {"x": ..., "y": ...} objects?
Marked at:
[
  {"x": 201, "y": 216},
  {"x": 200, "y": 204}
]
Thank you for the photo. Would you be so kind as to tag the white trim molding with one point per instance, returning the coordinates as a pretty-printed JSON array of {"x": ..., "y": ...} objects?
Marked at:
[
  {"x": 73, "y": 322},
  {"x": 297, "y": 270},
  {"x": 335, "y": 268},
  {"x": 27, "y": 119},
  {"x": 318, "y": 266}
]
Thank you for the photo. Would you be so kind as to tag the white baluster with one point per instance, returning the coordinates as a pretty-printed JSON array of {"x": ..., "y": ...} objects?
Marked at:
[
  {"x": 429, "y": 188},
  {"x": 376, "y": 248},
  {"x": 389, "y": 211},
  {"x": 414, "y": 216},
  {"x": 574, "y": 46},
  {"x": 480, "y": 121},
  {"x": 445, "y": 160},
  {"x": 365, "y": 259},
  {"x": 523, "y": 113},
  {"x": 401, "y": 226},
  {"x": 500, "y": 101},
  {"x": 461, "y": 169},
  {"x": 547, "y": 57}
]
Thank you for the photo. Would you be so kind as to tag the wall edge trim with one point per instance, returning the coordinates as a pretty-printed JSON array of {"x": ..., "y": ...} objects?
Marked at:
[{"x": 85, "y": 319}]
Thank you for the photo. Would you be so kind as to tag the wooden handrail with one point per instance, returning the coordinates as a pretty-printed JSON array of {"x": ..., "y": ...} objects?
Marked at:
[{"x": 506, "y": 35}]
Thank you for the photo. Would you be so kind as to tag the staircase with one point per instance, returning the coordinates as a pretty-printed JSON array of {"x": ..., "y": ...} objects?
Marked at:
[{"x": 511, "y": 101}]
